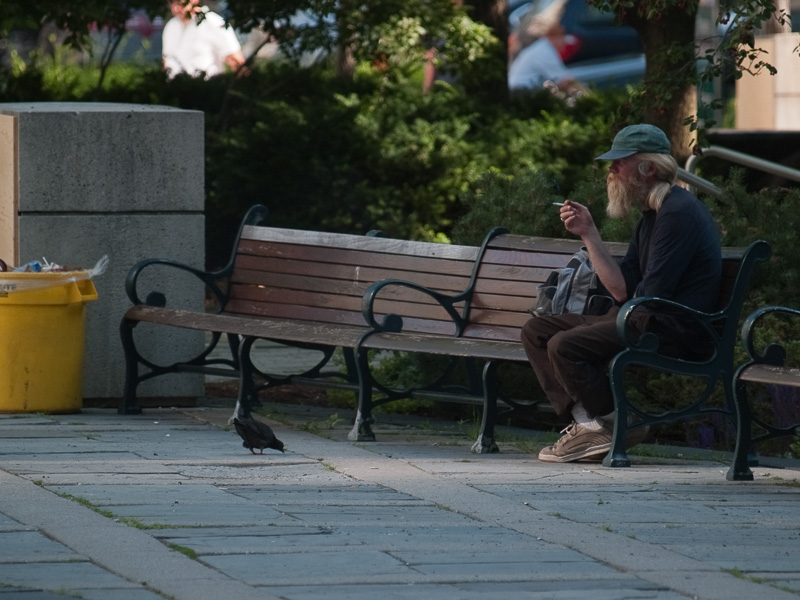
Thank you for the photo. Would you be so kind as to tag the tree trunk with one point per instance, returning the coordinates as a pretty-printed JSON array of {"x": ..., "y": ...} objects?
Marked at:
[
  {"x": 670, "y": 94},
  {"x": 492, "y": 13},
  {"x": 344, "y": 65}
]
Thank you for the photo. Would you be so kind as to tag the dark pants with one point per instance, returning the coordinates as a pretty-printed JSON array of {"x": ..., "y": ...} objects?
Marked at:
[{"x": 570, "y": 355}]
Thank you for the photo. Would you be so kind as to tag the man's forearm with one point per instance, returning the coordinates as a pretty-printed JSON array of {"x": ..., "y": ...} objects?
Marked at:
[{"x": 606, "y": 266}]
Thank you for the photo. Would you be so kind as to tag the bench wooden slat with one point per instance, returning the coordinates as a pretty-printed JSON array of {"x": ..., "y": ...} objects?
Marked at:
[
  {"x": 262, "y": 327},
  {"x": 318, "y": 299},
  {"x": 306, "y": 276},
  {"x": 518, "y": 273},
  {"x": 493, "y": 332},
  {"x": 356, "y": 258},
  {"x": 377, "y": 245},
  {"x": 488, "y": 318},
  {"x": 511, "y": 302},
  {"x": 330, "y": 306},
  {"x": 508, "y": 259},
  {"x": 238, "y": 306},
  {"x": 448, "y": 346},
  {"x": 247, "y": 283},
  {"x": 771, "y": 374}
]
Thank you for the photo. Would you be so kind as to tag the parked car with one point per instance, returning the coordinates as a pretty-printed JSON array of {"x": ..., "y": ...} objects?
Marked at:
[
  {"x": 592, "y": 33},
  {"x": 598, "y": 52},
  {"x": 609, "y": 73}
]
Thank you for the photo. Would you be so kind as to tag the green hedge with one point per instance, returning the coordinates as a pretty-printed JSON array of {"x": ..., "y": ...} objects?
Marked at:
[{"x": 345, "y": 155}]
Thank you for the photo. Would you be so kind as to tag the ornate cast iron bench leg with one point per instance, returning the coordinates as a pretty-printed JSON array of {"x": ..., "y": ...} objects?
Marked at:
[
  {"x": 485, "y": 443},
  {"x": 362, "y": 430}
]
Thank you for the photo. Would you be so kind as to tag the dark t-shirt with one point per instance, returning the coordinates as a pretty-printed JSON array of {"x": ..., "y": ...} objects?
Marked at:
[{"x": 675, "y": 253}]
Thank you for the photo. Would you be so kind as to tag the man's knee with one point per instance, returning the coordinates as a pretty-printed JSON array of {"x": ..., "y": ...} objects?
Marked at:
[
  {"x": 528, "y": 333},
  {"x": 536, "y": 332},
  {"x": 555, "y": 346}
]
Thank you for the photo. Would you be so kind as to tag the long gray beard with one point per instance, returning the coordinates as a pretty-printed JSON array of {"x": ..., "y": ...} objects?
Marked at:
[{"x": 622, "y": 198}]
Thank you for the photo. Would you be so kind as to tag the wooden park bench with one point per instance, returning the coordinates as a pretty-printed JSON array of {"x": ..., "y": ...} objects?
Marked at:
[
  {"x": 490, "y": 331},
  {"x": 306, "y": 289},
  {"x": 766, "y": 364},
  {"x": 363, "y": 294},
  {"x": 300, "y": 288}
]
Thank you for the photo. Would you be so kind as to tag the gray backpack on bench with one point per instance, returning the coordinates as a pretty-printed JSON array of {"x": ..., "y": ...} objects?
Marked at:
[{"x": 573, "y": 289}]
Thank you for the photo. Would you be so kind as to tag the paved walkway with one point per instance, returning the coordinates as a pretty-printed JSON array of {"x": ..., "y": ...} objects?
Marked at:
[{"x": 168, "y": 504}]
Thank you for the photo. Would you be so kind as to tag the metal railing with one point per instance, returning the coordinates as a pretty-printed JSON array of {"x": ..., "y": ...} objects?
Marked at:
[
  {"x": 698, "y": 183},
  {"x": 687, "y": 175}
]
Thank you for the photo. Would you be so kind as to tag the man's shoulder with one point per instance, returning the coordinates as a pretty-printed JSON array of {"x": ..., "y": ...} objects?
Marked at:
[
  {"x": 680, "y": 199},
  {"x": 681, "y": 192}
]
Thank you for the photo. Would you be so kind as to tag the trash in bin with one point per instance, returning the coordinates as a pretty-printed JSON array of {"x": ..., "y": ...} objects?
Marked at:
[{"x": 42, "y": 322}]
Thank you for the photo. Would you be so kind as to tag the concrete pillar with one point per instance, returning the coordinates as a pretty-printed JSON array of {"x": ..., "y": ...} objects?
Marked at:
[{"x": 80, "y": 180}]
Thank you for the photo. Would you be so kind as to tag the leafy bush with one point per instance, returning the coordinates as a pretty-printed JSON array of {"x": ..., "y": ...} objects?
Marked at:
[{"x": 332, "y": 154}]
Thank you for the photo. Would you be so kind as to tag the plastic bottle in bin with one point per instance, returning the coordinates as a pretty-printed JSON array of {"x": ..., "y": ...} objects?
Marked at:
[{"x": 32, "y": 267}]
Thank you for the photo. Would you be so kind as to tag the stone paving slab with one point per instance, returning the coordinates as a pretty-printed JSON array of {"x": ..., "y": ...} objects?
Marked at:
[
  {"x": 481, "y": 591},
  {"x": 117, "y": 494},
  {"x": 193, "y": 515},
  {"x": 382, "y": 537},
  {"x": 32, "y": 547},
  {"x": 180, "y": 505},
  {"x": 60, "y": 576},
  {"x": 13, "y": 593}
]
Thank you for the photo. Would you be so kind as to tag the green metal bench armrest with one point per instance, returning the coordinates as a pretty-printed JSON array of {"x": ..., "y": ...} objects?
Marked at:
[
  {"x": 394, "y": 323},
  {"x": 648, "y": 341},
  {"x": 773, "y": 353},
  {"x": 255, "y": 215},
  {"x": 157, "y": 298}
]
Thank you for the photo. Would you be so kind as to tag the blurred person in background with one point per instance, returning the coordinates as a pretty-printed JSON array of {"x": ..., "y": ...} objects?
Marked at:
[
  {"x": 536, "y": 61},
  {"x": 197, "y": 41}
]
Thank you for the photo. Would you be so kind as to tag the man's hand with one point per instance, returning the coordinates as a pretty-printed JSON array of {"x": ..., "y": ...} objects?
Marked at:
[
  {"x": 236, "y": 63},
  {"x": 577, "y": 219}
]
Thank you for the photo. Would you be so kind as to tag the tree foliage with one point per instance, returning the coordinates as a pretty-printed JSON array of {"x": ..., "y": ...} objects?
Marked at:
[
  {"x": 385, "y": 33},
  {"x": 75, "y": 17},
  {"x": 395, "y": 36},
  {"x": 677, "y": 63}
]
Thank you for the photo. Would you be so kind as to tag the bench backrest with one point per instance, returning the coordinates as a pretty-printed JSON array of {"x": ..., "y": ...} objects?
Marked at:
[
  {"x": 322, "y": 277},
  {"x": 738, "y": 265},
  {"x": 507, "y": 284},
  {"x": 513, "y": 266},
  {"x": 505, "y": 288},
  {"x": 731, "y": 263}
]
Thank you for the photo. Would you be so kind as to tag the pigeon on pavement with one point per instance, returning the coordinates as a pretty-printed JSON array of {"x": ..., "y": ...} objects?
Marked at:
[{"x": 256, "y": 435}]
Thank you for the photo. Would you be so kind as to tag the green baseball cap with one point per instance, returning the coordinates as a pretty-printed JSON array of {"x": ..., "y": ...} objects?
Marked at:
[{"x": 637, "y": 138}]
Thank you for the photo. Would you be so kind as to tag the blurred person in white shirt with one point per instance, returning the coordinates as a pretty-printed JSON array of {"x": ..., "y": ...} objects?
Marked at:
[{"x": 197, "y": 41}]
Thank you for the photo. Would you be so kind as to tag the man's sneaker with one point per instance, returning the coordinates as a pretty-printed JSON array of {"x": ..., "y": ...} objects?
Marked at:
[{"x": 578, "y": 443}]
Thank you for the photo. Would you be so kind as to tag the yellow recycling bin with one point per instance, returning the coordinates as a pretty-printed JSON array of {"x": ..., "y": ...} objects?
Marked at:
[{"x": 42, "y": 323}]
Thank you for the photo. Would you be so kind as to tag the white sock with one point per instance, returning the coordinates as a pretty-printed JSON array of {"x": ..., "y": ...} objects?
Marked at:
[
  {"x": 609, "y": 418},
  {"x": 584, "y": 420}
]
